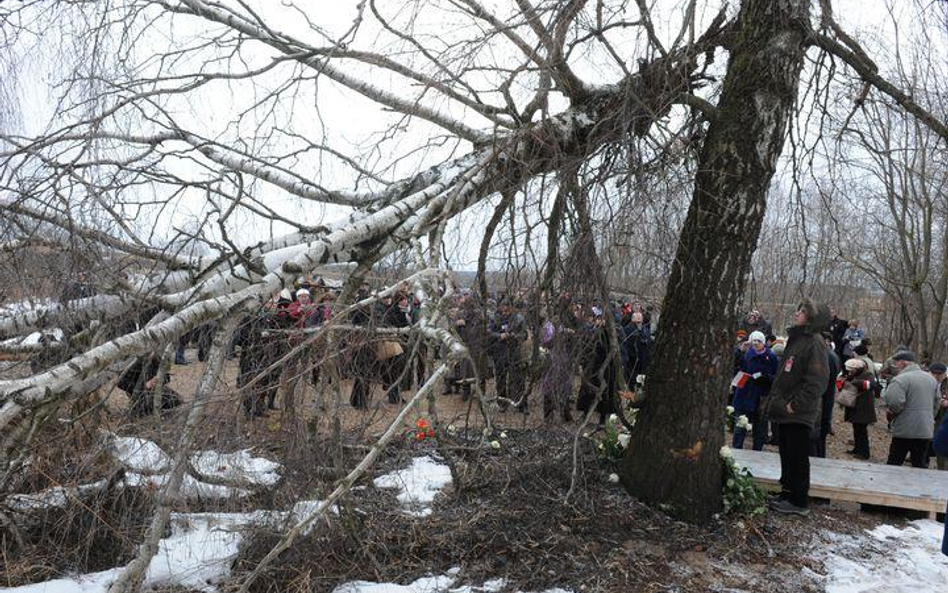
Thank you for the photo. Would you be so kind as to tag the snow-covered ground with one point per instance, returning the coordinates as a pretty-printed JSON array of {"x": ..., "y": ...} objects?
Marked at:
[
  {"x": 432, "y": 584},
  {"x": 418, "y": 484},
  {"x": 198, "y": 554},
  {"x": 148, "y": 464},
  {"x": 201, "y": 548},
  {"x": 887, "y": 559}
]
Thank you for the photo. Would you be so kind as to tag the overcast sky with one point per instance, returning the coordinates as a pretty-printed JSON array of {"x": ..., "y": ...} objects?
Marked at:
[{"x": 350, "y": 122}]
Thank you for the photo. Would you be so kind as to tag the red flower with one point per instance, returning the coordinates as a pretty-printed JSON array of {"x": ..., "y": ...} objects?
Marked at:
[
  {"x": 422, "y": 423},
  {"x": 430, "y": 433},
  {"x": 420, "y": 436}
]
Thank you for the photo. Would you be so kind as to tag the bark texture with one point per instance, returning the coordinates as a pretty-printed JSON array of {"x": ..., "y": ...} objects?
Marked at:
[{"x": 673, "y": 458}]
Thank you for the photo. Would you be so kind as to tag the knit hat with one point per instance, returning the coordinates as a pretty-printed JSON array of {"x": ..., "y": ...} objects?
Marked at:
[
  {"x": 302, "y": 291},
  {"x": 855, "y": 364},
  {"x": 938, "y": 368},
  {"x": 757, "y": 336},
  {"x": 906, "y": 355}
]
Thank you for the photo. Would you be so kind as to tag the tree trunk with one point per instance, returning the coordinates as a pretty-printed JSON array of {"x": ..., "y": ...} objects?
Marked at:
[{"x": 673, "y": 459}]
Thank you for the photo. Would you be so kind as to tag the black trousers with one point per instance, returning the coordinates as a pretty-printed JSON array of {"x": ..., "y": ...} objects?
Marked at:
[
  {"x": 916, "y": 448},
  {"x": 509, "y": 381},
  {"x": 794, "y": 444},
  {"x": 861, "y": 439}
]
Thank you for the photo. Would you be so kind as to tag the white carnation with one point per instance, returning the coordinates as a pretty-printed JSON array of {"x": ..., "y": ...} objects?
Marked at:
[
  {"x": 624, "y": 440},
  {"x": 730, "y": 409},
  {"x": 613, "y": 478},
  {"x": 495, "y": 445},
  {"x": 726, "y": 452}
]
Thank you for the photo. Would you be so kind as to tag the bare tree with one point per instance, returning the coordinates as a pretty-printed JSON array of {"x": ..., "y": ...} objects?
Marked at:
[{"x": 233, "y": 120}]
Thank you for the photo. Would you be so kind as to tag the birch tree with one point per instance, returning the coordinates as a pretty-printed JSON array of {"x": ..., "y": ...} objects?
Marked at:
[{"x": 240, "y": 112}]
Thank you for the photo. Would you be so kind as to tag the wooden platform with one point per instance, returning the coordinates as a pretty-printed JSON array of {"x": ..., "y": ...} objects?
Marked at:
[{"x": 857, "y": 481}]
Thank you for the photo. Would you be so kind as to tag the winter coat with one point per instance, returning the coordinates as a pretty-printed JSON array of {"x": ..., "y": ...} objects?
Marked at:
[
  {"x": 747, "y": 398},
  {"x": 940, "y": 444},
  {"x": 942, "y": 411},
  {"x": 258, "y": 350},
  {"x": 802, "y": 375},
  {"x": 506, "y": 351},
  {"x": 761, "y": 325},
  {"x": 838, "y": 328},
  {"x": 864, "y": 412},
  {"x": 635, "y": 347},
  {"x": 142, "y": 371},
  {"x": 829, "y": 396},
  {"x": 851, "y": 339},
  {"x": 913, "y": 397}
]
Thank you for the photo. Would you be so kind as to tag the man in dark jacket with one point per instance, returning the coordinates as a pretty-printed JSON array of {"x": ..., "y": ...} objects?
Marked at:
[
  {"x": 507, "y": 331},
  {"x": 825, "y": 425},
  {"x": 795, "y": 403},
  {"x": 940, "y": 444},
  {"x": 837, "y": 328},
  {"x": 139, "y": 381},
  {"x": 755, "y": 322}
]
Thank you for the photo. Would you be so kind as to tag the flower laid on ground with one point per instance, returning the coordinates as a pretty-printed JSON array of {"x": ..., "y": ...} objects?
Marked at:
[
  {"x": 503, "y": 435},
  {"x": 495, "y": 445},
  {"x": 624, "y": 439},
  {"x": 613, "y": 478},
  {"x": 613, "y": 419},
  {"x": 726, "y": 452},
  {"x": 422, "y": 431},
  {"x": 742, "y": 422},
  {"x": 730, "y": 409}
]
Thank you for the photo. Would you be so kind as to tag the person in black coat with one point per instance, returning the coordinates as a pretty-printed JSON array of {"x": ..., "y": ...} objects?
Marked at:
[
  {"x": 859, "y": 378},
  {"x": 837, "y": 329},
  {"x": 139, "y": 380},
  {"x": 599, "y": 373},
  {"x": 825, "y": 425},
  {"x": 258, "y": 352},
  {"x": 507, "y": 331},
  {"x": 394, "y": 370}
]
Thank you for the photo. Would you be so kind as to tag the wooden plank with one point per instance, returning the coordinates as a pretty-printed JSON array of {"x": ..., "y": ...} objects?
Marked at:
[{"x": 854, "y": 481}]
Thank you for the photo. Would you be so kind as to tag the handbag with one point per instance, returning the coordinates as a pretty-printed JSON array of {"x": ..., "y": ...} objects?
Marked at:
[
  {"x": 388, "y": 349},
  {"x": 846, "y": 396}
]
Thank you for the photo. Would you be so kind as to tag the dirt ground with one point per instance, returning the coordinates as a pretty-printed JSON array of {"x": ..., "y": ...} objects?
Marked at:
[
  {"x": 454, "y": 411},
  {"x": 505, "y": 515}
]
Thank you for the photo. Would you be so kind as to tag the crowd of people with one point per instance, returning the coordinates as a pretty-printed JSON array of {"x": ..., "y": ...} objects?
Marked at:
[
  {"x": 787, "y": 392},
  {"x": 563, "y": 352}
]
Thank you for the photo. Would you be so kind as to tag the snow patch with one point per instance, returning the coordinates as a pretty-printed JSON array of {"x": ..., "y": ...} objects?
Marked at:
[
  {"x": 430, "y": 584},
  {"x": 890, "y": 560},
  {"x": 141, "y": 455},
  {"x": 149, "y": 466},
  {"x": 20, "y": 307},
  {"x": 418, "y": 484},
  {"x": 198, "y": 554},
  {"x": 190, "y": 488},
  {"x": 55, "y": 497},
  {"x": 237, "y": 466}
]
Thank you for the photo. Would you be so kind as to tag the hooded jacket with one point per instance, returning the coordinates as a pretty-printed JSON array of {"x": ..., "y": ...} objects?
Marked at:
[{"x": 803, "y": 373}]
